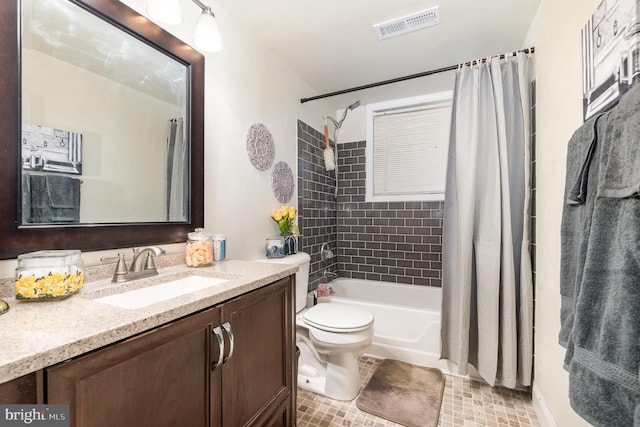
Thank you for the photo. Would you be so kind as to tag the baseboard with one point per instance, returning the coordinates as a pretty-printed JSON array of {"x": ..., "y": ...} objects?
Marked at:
[{"x": 541, "y": 408}]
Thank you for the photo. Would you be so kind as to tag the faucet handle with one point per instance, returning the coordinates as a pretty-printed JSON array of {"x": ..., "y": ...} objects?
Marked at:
[
  {"x": 121, "y": 267},
  {"x": 326, "y": 253},
  {"x": 149, "y": 263}
]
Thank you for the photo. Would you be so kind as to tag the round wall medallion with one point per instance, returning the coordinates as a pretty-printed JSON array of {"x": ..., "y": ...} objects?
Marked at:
[
  {"x": 260, "y": 146},
  {"x": 282, "y": 182}
]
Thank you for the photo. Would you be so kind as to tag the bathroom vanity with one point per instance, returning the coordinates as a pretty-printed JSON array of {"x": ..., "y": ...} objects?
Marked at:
[{"x": 225, "y": 357}]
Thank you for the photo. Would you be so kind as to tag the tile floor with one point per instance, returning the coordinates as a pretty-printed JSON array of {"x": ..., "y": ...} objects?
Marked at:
[{"x": 465, "y": 403}]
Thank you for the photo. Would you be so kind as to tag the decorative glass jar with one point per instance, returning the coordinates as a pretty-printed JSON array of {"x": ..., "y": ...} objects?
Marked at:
[
  {"x": 49, "y": 275},
  {"x": 199, "y": 250},
  {"x": 274, "y": 247}
]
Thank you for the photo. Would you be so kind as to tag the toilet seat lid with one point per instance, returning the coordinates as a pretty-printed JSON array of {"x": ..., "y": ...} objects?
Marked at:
[{"x": 338, "y": 318}]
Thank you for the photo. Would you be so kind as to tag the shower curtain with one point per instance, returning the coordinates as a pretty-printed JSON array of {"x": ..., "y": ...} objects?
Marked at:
[
  {"x": 487, "y": 305},
  {"x": 177, "y": 168}
]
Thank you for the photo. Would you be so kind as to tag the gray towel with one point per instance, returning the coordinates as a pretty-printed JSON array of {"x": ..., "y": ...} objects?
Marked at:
[
  {"x": 603, "y": 373},
  {"x": 26, "y": 198},
  {"x": 580, "y": 193},
  {"x": 53, "y": 199},
  {"x": 636, "y": 419},
  {"x": 38, "y": 199},
  {"x": 581, "y": 151},
  {"x": 64, "y": 191}
]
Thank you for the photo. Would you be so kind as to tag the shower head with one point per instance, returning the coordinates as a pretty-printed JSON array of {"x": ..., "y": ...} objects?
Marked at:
[
  {"x": 338, "y": 124},
  {"x": 346, "y": 110}
]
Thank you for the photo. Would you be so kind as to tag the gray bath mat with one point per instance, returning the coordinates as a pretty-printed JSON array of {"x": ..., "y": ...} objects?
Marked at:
[{"x": 404, "y": 393}]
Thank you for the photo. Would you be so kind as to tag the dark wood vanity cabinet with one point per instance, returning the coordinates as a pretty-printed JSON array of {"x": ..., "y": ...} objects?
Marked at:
[
  {"x": 261, "y": 370},
  {"x": 23, "y": 390},
  {"x": 158, "y": 378},
  {"x": 168, "y": 376}
]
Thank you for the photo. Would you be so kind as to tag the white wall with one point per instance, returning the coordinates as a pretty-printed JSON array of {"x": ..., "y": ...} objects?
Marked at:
[
  {"x": 354, "y": 128},
  {"x": 244, "y": 85},
  {"x": 555, "y": 34}
]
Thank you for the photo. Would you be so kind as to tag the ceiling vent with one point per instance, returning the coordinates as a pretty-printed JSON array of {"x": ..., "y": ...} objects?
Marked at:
[{"x": 417, "y": 21}]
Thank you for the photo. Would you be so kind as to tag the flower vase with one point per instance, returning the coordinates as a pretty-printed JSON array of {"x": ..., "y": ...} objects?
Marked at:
[{"x": 290, "y": 243}]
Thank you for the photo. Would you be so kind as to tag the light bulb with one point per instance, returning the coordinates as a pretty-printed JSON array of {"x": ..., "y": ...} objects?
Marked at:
[{"x": 206, "y": 35}]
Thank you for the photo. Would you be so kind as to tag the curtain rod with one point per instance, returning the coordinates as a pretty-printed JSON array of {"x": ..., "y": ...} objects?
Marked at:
[{"x": 409, "y": 77}]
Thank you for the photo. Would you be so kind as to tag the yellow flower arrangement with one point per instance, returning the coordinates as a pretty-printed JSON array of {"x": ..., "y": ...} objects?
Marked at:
[
  {"x": 53, "y": 285},
  {"x": 284, "y": 216}
]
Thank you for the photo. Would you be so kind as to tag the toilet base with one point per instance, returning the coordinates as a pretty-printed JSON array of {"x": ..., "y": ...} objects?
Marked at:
[{"x": 338, "y": 378}]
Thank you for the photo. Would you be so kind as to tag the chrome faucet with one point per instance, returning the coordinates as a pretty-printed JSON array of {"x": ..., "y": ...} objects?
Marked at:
[
  {"x": 149, "y": 264},
  {"x": 142, "y": 264},
  {"x": 330, "y": 274}
]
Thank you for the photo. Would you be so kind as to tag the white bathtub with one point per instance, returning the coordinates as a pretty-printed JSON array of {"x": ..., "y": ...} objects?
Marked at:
[
  {"x": 406, "y": 320},
  {"x": 406, "y": 317}
]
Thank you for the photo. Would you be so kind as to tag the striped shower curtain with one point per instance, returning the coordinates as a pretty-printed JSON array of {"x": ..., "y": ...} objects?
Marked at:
[{"x": 487, "y": 306}]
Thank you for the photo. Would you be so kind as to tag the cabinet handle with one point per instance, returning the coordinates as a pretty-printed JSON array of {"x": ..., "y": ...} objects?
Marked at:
[
  {"x": 227, "y": 328},
  {"x": 218, "y": 334}
]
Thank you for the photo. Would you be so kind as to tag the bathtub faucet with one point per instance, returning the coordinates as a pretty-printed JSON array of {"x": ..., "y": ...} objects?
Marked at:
[{"x": 330, "y": 274}]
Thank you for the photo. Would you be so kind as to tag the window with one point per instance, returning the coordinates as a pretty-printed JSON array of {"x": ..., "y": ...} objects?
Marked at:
[{"x": 407, "y": 147}]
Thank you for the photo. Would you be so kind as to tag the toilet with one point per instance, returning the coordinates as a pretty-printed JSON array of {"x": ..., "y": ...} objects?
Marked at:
[{"x": 330, "y": 337}]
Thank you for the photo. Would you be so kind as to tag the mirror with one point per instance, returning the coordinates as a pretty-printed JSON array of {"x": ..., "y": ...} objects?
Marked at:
[
  {"x": 103, "y": 119},
  {"x": 103, "y": 128}
]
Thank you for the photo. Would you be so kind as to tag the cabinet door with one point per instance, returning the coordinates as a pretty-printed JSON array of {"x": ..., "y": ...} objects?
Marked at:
[
  {"x": 160, "y": 378},
  {"x": 258, "y": 377},
  {"x": 23, "y": 390},
  {"x": 281, "y": 418}
]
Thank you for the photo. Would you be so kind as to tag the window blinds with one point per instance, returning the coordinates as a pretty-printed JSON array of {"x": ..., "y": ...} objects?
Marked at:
[{"x": 410, "y": 150}]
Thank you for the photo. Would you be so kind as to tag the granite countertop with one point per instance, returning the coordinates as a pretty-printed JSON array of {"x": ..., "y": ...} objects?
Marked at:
[{"x": 35, "y": 335}]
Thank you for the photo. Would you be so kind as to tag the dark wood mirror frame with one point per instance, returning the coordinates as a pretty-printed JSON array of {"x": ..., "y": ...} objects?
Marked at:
[{"x": 16, "y": 239}]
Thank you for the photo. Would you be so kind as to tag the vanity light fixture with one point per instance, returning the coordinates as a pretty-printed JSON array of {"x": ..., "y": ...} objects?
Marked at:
[{"x": 206, "y": 35}]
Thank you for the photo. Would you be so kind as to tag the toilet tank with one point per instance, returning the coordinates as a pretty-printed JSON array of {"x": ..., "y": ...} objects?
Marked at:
[{"x": 302, "y": 260}]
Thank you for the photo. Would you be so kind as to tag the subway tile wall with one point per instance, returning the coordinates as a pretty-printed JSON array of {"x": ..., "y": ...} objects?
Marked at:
[
  {"x": 316, "y": 203},
  {"x": 390, "y": 241},
  {"x": 395, "y": 242}
]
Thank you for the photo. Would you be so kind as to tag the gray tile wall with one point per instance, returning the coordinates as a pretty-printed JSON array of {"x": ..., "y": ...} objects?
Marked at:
[
  {"x": 316, "y": 202},
  {"x": 389, "y": 241},
  {"x": 396, "y": 242}
]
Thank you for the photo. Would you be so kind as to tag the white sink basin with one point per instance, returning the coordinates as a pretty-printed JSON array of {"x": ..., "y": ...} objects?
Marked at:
[{"x": 157, "y": 293}]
